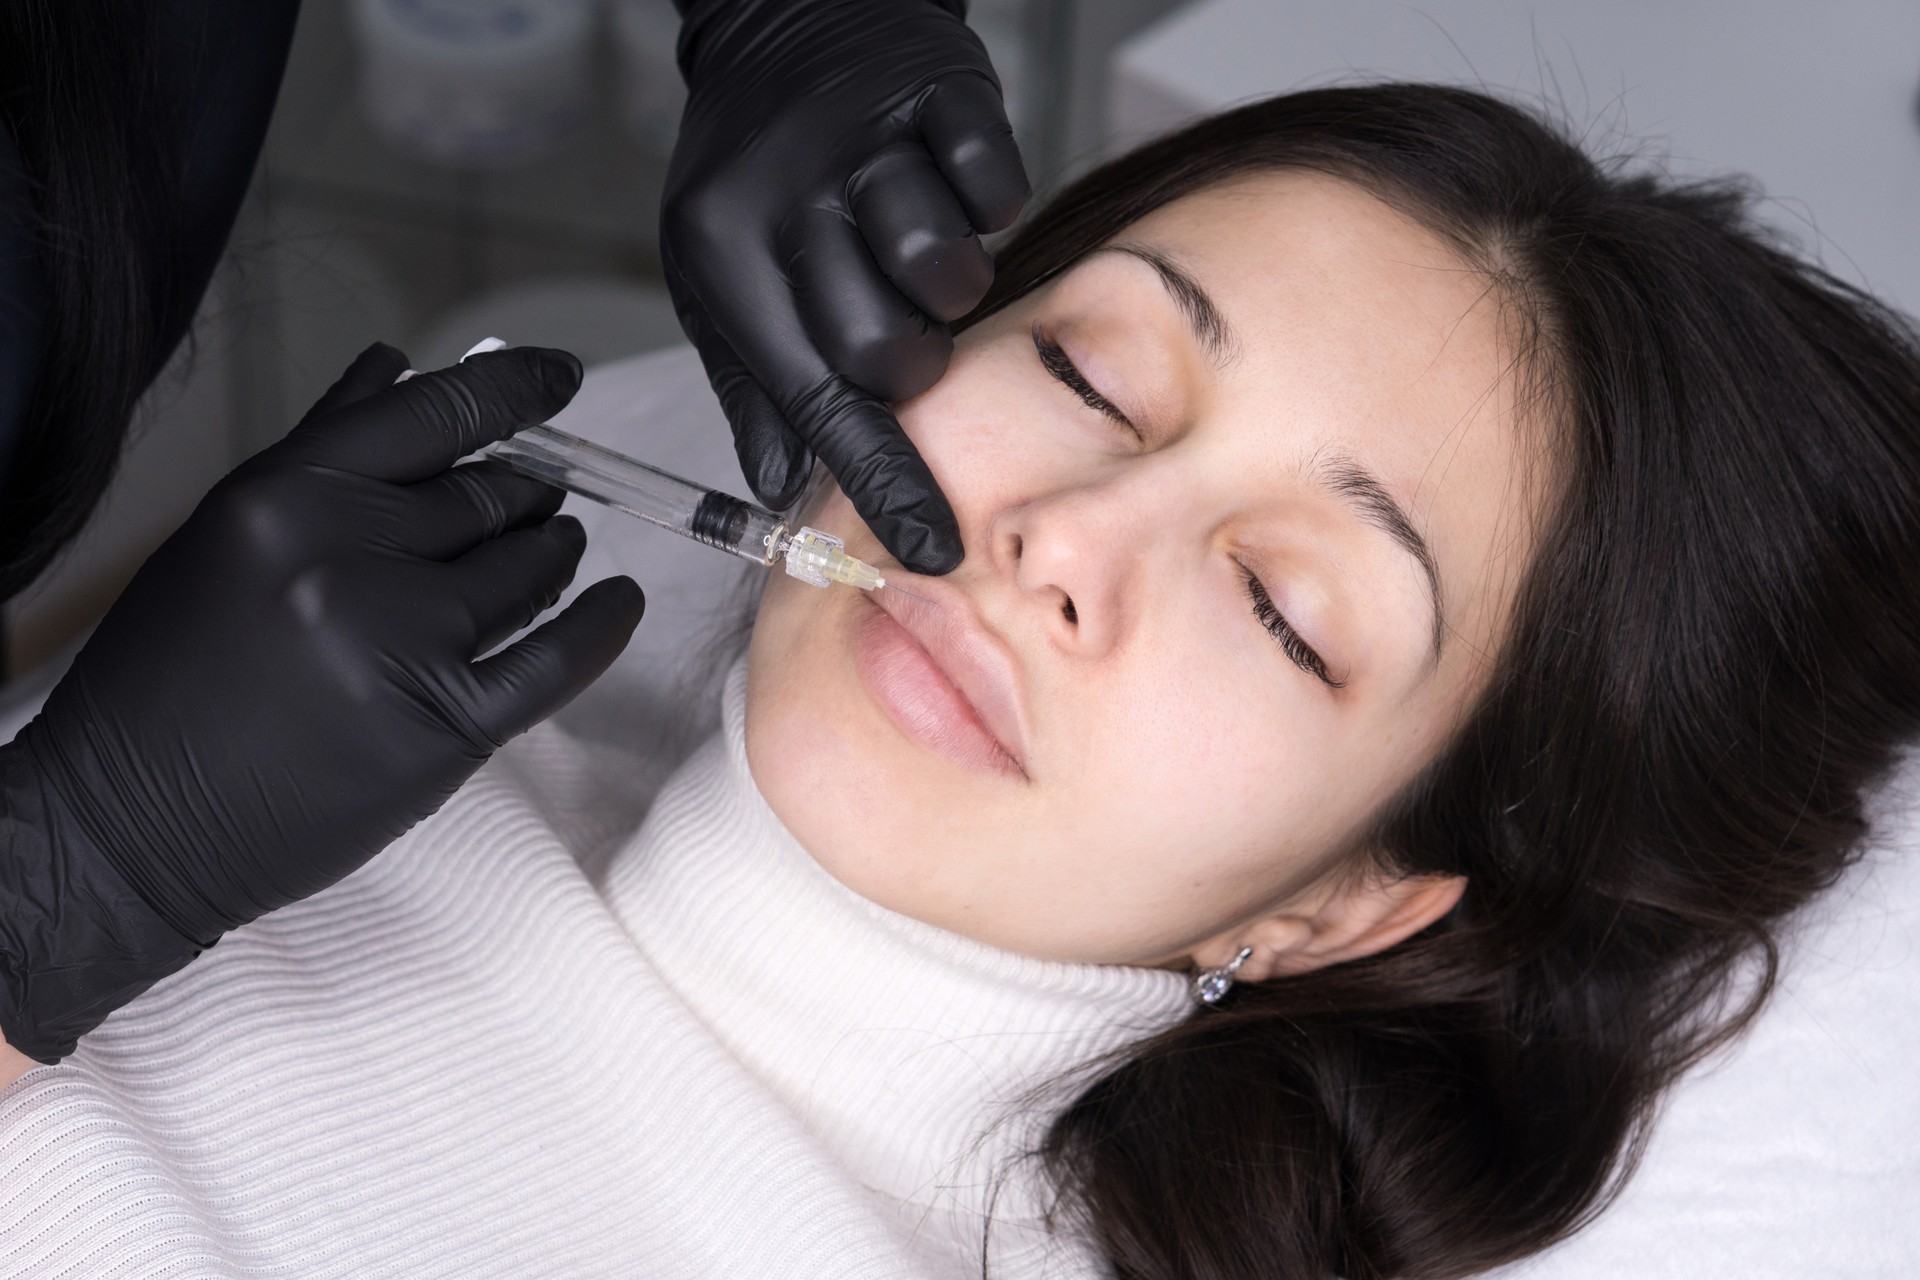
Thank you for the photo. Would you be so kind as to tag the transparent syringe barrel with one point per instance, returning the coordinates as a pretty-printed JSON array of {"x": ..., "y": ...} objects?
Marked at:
[{"x": 689, "y": 509}]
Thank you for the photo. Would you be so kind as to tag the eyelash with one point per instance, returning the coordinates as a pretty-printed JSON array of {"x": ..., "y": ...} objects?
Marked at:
[
  {"x": 1057, "y": 363},
  {"x": 1281, "y": 630}
]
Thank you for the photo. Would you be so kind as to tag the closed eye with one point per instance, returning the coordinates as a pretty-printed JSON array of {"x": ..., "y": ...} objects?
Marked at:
[
  {"x": 1281, "y": 630},
  {"x": 1056, "y": 362}
]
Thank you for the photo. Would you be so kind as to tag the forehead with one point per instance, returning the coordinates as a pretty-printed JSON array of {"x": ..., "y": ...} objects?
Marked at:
[{"x": 1318, "y": 274}]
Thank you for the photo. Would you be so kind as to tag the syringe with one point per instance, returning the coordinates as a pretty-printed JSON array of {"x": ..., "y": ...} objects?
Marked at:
[{"x": 688, "y": 509}]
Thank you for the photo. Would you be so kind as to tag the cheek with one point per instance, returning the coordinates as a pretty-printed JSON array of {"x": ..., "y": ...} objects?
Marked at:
[
  {"x": 980, "y": 428},
  {"x": 797, "y": 685},
  {"x": 1201, "y": 794}
]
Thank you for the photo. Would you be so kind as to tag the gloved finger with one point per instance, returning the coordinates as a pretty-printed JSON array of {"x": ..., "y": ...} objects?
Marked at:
[
  {"x": 772, "y": 457},
  {"x": 884, "y": 476},
  {"x": 508, "y": 581},
  {"x": 420, "y": 427},
  {"x": 457, "y": 510},
  {"x": 372, "y": 370},
  {"x": 964, "y": 123},
  {"x": 918, "y": 234},
  {"x": 521, "y": 686},
  {"x": 855, "y": 435},
  {"x": 868, "y": 331}
]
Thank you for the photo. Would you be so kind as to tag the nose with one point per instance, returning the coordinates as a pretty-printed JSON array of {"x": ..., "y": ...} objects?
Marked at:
[{"x": 1071, "y": 557}]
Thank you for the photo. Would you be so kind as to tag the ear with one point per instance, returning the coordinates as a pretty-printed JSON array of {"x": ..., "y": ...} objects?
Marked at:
[{"x": 1357, "y": 918}]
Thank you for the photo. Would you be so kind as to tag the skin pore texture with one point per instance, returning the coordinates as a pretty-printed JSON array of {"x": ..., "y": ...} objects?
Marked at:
[{"x": 1089, "y": 745}]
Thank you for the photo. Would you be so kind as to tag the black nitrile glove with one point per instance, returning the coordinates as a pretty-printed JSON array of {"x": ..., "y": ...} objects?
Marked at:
[
  {"x": 835, "y": 162},
  {"x": 290, "y": 683}
]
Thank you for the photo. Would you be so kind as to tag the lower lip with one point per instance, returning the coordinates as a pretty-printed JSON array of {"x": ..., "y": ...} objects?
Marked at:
[{"x": 922, "y": 702}]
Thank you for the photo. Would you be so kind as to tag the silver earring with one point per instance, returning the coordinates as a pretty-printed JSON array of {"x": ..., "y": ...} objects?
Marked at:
[{"x": 1210, "y": 986}]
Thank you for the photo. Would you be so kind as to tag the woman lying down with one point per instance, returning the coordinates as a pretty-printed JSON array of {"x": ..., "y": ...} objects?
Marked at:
[{"x": 1431, "y": 608}]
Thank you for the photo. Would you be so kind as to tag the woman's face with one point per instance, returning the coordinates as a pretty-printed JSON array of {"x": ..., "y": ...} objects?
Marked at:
[{"x": 1243, "y": 499}]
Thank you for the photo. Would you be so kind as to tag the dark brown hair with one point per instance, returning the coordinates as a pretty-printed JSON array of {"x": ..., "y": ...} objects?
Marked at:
[
  {"x": 1713, "y": 654},
  {"x": 78, "y": 103},
  {"x": 137, "y": 131}
]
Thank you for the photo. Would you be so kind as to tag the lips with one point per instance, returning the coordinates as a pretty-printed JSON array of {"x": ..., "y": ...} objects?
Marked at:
[{"x": 942, "y": 678}]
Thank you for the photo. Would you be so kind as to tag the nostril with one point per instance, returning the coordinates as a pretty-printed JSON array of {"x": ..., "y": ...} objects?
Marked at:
[{"x": 1071, "y": 614}]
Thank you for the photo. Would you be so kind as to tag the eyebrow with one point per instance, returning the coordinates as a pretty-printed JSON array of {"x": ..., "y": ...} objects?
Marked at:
[
  {"x": 1361, "y": 490},
  {"x": 1210, "y": 328},
  {"x": 1338, "y": 474}
]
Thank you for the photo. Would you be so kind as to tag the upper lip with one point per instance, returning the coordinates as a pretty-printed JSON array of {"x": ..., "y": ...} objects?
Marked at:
[{"x": 973, "y": 659}]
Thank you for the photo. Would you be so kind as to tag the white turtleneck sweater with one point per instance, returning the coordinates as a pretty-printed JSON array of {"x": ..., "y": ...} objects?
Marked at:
[{"x": 466, "y": 1061}]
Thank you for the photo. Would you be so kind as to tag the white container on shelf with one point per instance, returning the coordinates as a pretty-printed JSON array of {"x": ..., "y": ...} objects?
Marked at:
[
  {"x": 479, "y": 84},
  {"x": 652, "y": 93}
]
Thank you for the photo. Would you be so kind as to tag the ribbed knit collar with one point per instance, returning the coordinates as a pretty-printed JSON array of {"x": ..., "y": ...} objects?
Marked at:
[{"x": 897, "y": 1043}]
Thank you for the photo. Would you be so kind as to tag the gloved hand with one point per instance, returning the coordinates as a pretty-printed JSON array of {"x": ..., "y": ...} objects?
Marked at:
[
  {"x": 835, "y": 162},
  {"x": 290, "y": 683}
]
